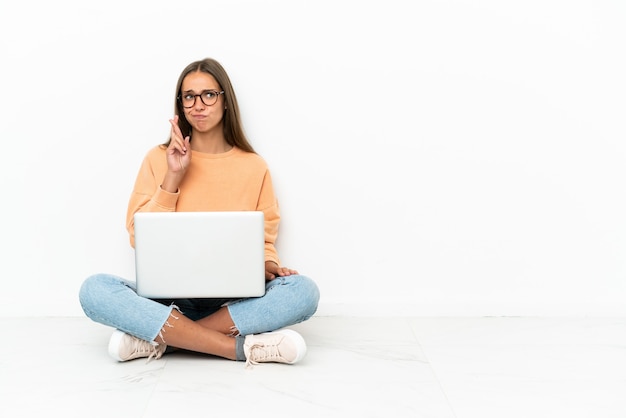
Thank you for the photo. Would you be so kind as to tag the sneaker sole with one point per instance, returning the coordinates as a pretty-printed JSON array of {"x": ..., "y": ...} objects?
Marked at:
[
  {"x": 114, "y": 344},
  {"x": 297, "y": 340}
]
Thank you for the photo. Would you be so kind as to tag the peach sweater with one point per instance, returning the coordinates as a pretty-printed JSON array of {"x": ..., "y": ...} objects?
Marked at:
[{"x": 234, "y": 180}]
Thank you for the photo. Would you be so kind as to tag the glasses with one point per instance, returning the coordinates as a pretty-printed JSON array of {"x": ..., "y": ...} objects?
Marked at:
[{"x": 208, "y": 97}]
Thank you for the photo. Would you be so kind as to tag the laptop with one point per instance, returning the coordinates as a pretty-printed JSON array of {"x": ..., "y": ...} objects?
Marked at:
[{"x": 200, "y": 254}]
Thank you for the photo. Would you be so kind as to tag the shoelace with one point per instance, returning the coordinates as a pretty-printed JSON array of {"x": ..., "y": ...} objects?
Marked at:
[
  {"x": 260, "y": 353},
  {"x": 143, "y": 347},
  {"x": 155, "y": 354}
]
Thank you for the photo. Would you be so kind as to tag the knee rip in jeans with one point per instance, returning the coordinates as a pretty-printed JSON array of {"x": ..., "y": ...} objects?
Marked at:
[{"x": 167, "y": 323}]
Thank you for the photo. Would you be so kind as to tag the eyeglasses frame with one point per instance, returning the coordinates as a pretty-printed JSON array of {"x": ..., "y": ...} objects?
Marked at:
[{"x": 195, "y": 97}]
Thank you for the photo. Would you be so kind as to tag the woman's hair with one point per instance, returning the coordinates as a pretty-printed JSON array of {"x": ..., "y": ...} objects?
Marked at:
[{"x": 231, "y": 122}]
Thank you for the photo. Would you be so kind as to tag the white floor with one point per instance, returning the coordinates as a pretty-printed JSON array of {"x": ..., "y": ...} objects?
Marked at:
[{"x": 355, "y": 367}]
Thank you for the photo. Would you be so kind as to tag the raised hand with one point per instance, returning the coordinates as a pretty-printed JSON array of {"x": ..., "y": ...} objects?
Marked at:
[
  {"x": 179, "y": 152},
  {"x": 178, "y": 156}
]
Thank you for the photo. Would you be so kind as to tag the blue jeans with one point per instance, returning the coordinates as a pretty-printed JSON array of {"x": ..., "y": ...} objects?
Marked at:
[{"x": 113, "y": 301}]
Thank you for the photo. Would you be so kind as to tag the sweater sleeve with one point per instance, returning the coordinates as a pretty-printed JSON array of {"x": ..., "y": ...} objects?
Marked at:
[
  {"x": 147, "y": 195},
  {"x": 269, "y": 205}
]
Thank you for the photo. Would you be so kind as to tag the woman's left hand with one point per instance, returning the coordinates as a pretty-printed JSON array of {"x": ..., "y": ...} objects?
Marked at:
[{"x": 272, "y": 270}]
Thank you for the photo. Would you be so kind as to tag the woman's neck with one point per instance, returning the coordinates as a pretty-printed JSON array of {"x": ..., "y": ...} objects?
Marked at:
[{"x": 209, "y": 143}]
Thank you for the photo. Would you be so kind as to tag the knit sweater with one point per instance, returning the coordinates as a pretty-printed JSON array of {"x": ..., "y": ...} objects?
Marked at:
[{"x": 232, "y": 181}]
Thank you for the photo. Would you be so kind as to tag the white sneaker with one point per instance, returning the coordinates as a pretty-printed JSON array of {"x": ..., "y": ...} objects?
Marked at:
[
  {"x": 283, "y": 346},
  {"x": 124, "y": 347}
]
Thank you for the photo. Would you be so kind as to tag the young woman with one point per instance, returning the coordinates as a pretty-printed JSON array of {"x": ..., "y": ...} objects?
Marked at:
[{"x": 206, "y": 165}]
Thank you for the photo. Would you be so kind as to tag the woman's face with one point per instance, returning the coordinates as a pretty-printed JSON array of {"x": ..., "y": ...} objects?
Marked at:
[{"x": 197, "y": 90}]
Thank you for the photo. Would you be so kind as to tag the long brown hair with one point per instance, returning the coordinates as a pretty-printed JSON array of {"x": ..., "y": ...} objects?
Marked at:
[{"x": 231, "y": 121}]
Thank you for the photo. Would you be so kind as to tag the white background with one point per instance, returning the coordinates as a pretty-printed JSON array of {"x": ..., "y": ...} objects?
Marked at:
[{"x": 452, "y": 157}]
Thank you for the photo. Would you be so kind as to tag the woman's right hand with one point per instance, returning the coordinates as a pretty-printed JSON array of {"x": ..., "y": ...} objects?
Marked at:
[
  {"x": 178, "y": 156},
  {"x": 178, "y": 152}
]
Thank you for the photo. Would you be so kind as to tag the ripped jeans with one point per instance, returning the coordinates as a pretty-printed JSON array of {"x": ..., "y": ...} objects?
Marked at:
[{"x": 113, "y": 301}]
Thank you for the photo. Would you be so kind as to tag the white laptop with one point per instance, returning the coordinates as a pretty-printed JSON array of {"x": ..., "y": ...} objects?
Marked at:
[{"x": 200, "y": 254}]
